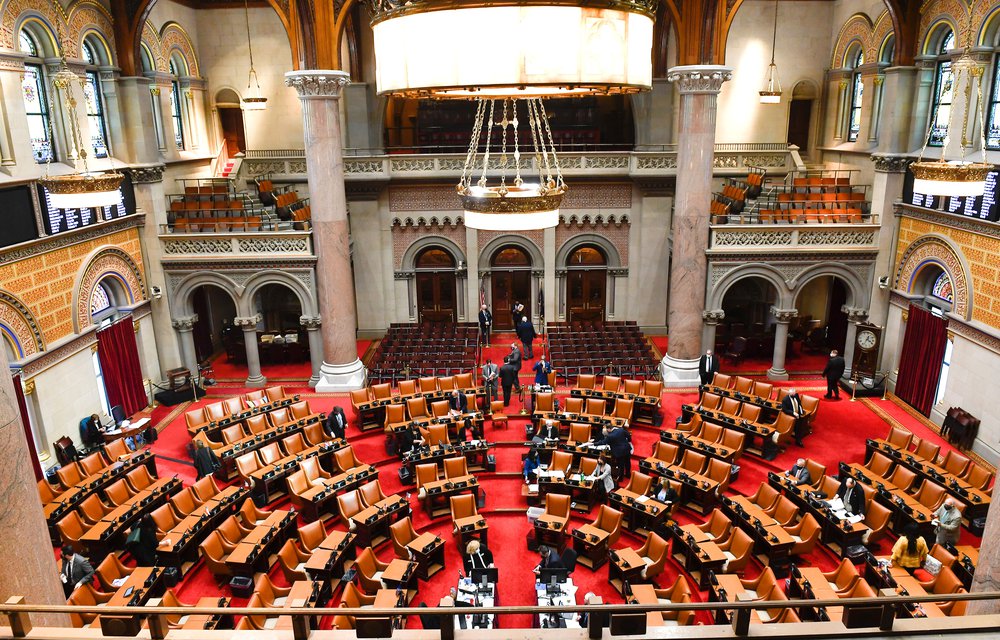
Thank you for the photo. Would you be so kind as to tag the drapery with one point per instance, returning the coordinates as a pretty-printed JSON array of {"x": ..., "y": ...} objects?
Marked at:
[
  {"x": 920, "y": 362},
  {"x": 119, "y": 358},
  {"x": 22, "y": 406}
]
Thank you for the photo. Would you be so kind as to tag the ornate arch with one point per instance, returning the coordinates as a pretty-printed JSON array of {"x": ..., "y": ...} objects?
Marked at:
[
  {"x": 102, "y": 263},
  {"x": 152, "y": 41},
  {"x": 409, "y": 259},
  {"x": 567, "y": 248},
  {"x": 938, "y": 250},
  {"x": 18, "y": 323},
  {"x": 307, "y": 300},
  {"x": 989, "y": 28},
  {"x": 855, "y": 287},
  {"x": 521, "y": 242},
  {"x": 86, "y": 16},
  {"x": 14, "y": 12},
  {"x": 881, "y": 32},
  {"x": 936, "y": 12},
  {"x": 173, "y": 38},
  {"x": 751, "y": 270},
  {"x": 180, "y": 298},
  {"x": 858, "y": 28}
]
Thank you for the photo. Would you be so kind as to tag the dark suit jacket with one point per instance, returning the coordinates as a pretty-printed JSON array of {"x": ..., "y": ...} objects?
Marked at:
[
  {"x": 485, "y": 318},
  {"x": 77, "y": 570},
  {"x": 801, "y": 475},
  {"x": 461, "y": 403},
  {"x": 205, "y": 461},
  {"x": 617, "y": 439},
  {"x": 857, "y": 503},
  {"x": 551, "y": 431},
  {"x": 481, "y": 560},
  {"x": 333, "y": 426},
  {"x": 834, "y": 368},
  {"x": 508, "y": 375},
  {"x": 789, "y": 408},
  {"x": 704, "y": 371},
  {"x": 525, "y": 331},
  {"x": 515, "y": 358}
]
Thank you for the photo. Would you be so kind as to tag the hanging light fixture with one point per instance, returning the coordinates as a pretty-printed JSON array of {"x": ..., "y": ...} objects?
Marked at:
[
  {"x": 514, "y": 48},
  {"x": 255, "y": 101},
  {"x": 517, "y": 205},
  {"x": 956, "y": 178},
  {"x": 771, "y": 93},
  {"x": 84, "y": 189}
]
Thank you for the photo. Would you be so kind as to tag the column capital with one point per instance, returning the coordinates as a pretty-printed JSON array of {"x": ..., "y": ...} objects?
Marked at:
[
  {"x": 713, "y": 316},
  {"x": 698, "y": 78},
  {"x": 891, "y": 163},
  {"x": 855, "y": 314},
  {"x": 247, "y": 321},
  {"x": 311, "y": 322},
  {"x": 318, "y": 83},
  {"x": 185, "y": 324},
  {"x": 12, "y": 61},
  {"x": 784, "y": 315},
  {"x": 146, "y": 175}
]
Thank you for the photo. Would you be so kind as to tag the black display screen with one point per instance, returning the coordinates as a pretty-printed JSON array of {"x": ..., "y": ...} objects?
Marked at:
[
  {"x": 984, "y": 207},
  {"x": 61, "y": 220},
  {"x": 17, "y": 216}
]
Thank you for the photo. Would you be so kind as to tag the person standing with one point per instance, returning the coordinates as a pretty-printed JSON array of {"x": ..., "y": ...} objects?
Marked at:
[
  {"x": 516, "y": 311},
  {"x": 515, "y": 361},
  {"x": 205, "y": 460},
  {"x": 508, "y": 376},
  {"x": 526, "y": 333},
  {"x": 949, "y": 521},
  {"x": 336, "y": 423},
  {"x": 833, "y": 372},
  {"x": 602, "y": 478},
  {"x": 542, "y": 370},
  {"x": 910, "y": 549},
  {"x": 76, "y": 570},
  {"x": 485, "y": 324},
  {"x": 708, "y": 366},
  {"x": 491, "y": 373},
  {"x": 620, "y": 447},
  {"x": 792, "y": 405}
]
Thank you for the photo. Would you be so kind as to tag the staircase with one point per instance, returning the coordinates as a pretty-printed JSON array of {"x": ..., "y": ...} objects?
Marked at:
[{"x": 227, "y": 168}]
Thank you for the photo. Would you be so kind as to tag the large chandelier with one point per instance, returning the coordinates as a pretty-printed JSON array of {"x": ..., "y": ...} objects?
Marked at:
[
  {"x": 517, "y": 204},
  {"x": 512, "y": 48},
  {"x": 254, "y": 100},
  {"x": 956, "y": 178},
  {"x": 85, "y": 189},
  {"x": 771, "y": 93}
]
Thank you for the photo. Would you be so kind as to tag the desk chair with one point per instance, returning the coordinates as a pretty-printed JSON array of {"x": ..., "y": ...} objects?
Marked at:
[
  {"x": 170, "y": 599},
  {"x": 738, "y": 549},
  {"x": 299, "y": 410},
  {"x": 954, "y": 462},
  {"x": 232, "y": 531},
  {"x": 111, "y": 569},
  {"x": 456, "y": 467},
  {"x": 402, "y": 533},
  {"x": 256, "y": 623},
  {"x": 46, "y": 491},
  {"x": 425, "y": 474},
  {"x": 298, "y": 487},
  {"x": 466, "y": 522},
  {"x": 440, "y": 408},
  {"x": 355, "y": 598},
  {"x": 416, "y": 408},
  {"x": 978, "y": 477},
  {"x": 69, "y": 475},
  {"x": 246, "y": 465},
  {"x": 314, "y": 473},
  {"x": 370, "y": 570},
  {"x": 184, "y": 502},
  {"x": 665, "y": 452},
  {"x": 557, "y": 507},
  {"x": 880, "y": 465},
  {"x": 900, "y": 437},
  {"x": 805, "y": 534},
  {"x": 117, "y": 493},
  {"x": 139, "y": 478},
  {"x": 573, "y": 405},
  {"x": 611, "y": 383},
  {"x": 279, "y": 416},
  {"x": 87, "y": 596},
  {"x": 579, "y": 433},
  {"x": 269, "y": 454},
  {"x": 92, "y": 464},
  {"x": 250, "y": 515},
  {"x": 293, "y": 562},
  {"x": 116, "y": 449},
  {"x": 165, "y": 520},
  {"x": 718, "y": 528},
  {"x": 273, "y": 394},
  {"x": 926, "y": 449},
  {"x": 269, "y": 594},
  {"x": 784, "y": 511},
  {"x": 407, "y": 387},
  {"x": 350, "y": 505},
  {"x": 214, "y": 549},
  {"x": 586, "y": 381},
  {"x": 843, "y": 578},
  {"x": 594, "y": 553},
  {"x": 257, "y": 424},
  {"x": 205, "y": 488},
  {"x": 395, "y": 417},
  {"x": 654, "y": 555},
  {"x": 497, "y": 415},
  {"x": 92, "y": 510},
  {"x": 346, "y": 461},
  {"x": 761, "y": 584},
  {"x": 678, "y": 592},
  {"x": 312, "y": 535},
  {"x": 294, "y": 444},
  {"x": 256, "y": 397}
]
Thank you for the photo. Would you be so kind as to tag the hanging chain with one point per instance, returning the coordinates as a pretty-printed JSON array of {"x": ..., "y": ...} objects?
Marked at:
[
  {"x": 517, "y": 151},
  {"x": 253, "y": 72},
  {"x": 486, "y": 151},
  {"x": 538, "y": 140},
  {"x": 552, "y": 144},
  {"x": 982, "y": 119},
  {"x": 503, "y": 149},
  {"x": 466, "y": 181}
]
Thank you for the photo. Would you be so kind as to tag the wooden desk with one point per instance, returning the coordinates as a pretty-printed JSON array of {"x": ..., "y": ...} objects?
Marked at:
[
  {"x": 437, "y": 499},
  {"x": 591, "y": 545},
  {"x": 471, "y": 527},
  {"x": 428, "y": 552},
  {"x": 837, "y": 533},
  {"x": 209, "y": 622},
  {"x": 728, "y": 588},
  {"x": 253, "y": 553},
  {"x": 180, "y": 545},
  {"x": 645, "y": 409},
  {"x": 699, "y": 555},
  {"x": 213, "y": 427},
  {"x": 331, "y": 559},
  {"x": 626, "y": 565},
  {"x": 303, "y": 593},
  {"x": 646, "y": 594},
  {"x": 109, "y": 534},
  {"x": 770, "y": 538},
  {"x": 642, "y": 514},
  {"x": 401, "y": 574}
]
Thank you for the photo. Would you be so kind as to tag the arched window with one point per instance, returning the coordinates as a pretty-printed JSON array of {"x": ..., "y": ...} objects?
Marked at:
[
  {"x": 942, "y": 287},
  {"x": 941, "y": 97},
  {"x": 95, "y": 103},
  {"x": 104, "y": 302},
  {"x": 586, "y": 256},
  {"x": 857, "y": 94},
  {"x": 36, "y": 102},
  {"x": 993, "y": 109},
  {"x": 435, "y": 258},
  {"x": 175, "y": 107},
  {"x": 100, "y": 301}
]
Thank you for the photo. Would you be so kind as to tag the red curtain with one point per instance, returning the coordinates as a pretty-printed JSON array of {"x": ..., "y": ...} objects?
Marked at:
[
  {"x": 920, "y": 363},
  {"x": 22, "y": 406},
  {"x": 119, "y": 357}
]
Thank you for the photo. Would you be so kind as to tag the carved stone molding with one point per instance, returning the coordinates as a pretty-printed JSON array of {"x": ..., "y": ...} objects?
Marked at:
[
  {"x": 247, "y": 322},
  {"x": 311, "y": 322},
  {"x": 887, "y": 163},
  {"x": 618, "y": 273},
  {"x": 54, "y": 355},
  {"x": 51, "y": 243},
  {"x": 364, "y": 191},
  {"x": 784, "y": 315},
  {"x": 699, "y": 78},
  {"x": 12, "y": 62},
  {"x": 403, "y": 275},
  {"x": 146, "y": 175},
  {"x": 952, "y": 220},
  {"x": 854, "y": 314},
  {"x": 656, "y": 187},
  {"x": 318, "y": 84},
  {"x": 714, "y": 316},
  {"x": 185, "y": 324}
]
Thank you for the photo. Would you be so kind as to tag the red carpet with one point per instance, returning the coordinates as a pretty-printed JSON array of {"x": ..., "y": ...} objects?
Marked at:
[{"x": 840, "y": 431}]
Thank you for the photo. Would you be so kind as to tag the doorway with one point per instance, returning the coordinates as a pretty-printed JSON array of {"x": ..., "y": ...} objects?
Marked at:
[
  {"x": 800, "y": 111},
  {"x": 587, "y": 280},
  {"x": 436, "y": 284},
  {"x": 231, "y": 119},
  {"x": 510, "y": 282}
]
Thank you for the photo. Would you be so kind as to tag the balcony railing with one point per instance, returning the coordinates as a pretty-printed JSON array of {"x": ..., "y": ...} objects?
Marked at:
[
  {"x": 235, "y": 244},
  {"x": 726, "y": 238}
]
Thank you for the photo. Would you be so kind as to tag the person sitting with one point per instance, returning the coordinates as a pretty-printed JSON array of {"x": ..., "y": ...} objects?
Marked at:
[
  {"x": 800, "y": 473},
  {"x": 910, "y": 549},
  {"x": 550, "y": 559},
  {"x": 602, "y": 478},
  {"x": 477, "y": 556},
  {"x": 90, "y": 431},
  {"x": 530, "y": 467},
  {"x": 549, "y": 431},
  {"x": 470, "y": 431},
  {"x": 458, "y": 402},
  {"x": 664, "y": 492}
]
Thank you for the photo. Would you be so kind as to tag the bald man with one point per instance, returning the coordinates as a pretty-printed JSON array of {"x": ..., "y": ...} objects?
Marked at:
[{"x": 949, "y": 522}]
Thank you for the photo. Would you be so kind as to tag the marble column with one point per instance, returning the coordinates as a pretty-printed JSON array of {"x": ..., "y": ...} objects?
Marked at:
[
  {"x": 185, "y": 340},
  {"x": 712, "y": 319},
  {"x": 249, "y": 325},
  {"x": 784, "y": 317},
  {"x": 897, "y": 109},
  {"x": 30, "y": 569},
  {"x": 887, "y": 187},
  {"x": 312, "y": 325},
  {"x": 699, "y": 88},
  {"x": 987, "y": 577},
  {"x": 854, "y": 317},
  {"x": 319, "y": 92}
]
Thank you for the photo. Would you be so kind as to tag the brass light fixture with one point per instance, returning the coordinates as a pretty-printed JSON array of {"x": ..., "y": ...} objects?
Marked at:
[
  {"x": 255, "y": 101},
  {"x": 771, "y": 93},
  {"x": 957, "y": 178}
]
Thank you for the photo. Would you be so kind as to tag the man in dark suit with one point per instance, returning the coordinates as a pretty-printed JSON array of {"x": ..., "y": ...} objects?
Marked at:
[
  {"x": 800, "y": 473},
  {"x": 515, "y": 361},
  {"x": 205, "y": 460},
  {"x": 792, "y": 405},
  {"x": 549, "y": 430},
  {"x": 853, "y": 497},
  {"x": 508, "y": 376},
  {"x": 620, "y": 449},
  {"x": 526, "y": 333},
  {"x": 458, "y": 402},
  {"x": 485, "y": 324},
  {"x": 90, "y": 431},
  {"x": 336, "y": 423},
  {"x": 833, "y": 371},
  {"x": 76, "y": 570},
  {"x": 708, "y": 366}
]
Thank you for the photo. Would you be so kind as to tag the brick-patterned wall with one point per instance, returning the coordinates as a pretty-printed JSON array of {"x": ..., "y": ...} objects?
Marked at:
[
  {"x": 982, "y": 252},
  {"x": 615, "y": 233},
  {"x": 44, "y": 283},
  {"x": 405, "y": 235},
  {"x": 536, "y": 237}
]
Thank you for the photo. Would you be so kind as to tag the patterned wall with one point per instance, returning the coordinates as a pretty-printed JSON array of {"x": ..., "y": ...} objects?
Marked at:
[
  {"x": 404, "y": 235},
  {"x": 980, "y": 252},
  {"x": 46, "y": 283},
  {"x": 614, "y": 230}
]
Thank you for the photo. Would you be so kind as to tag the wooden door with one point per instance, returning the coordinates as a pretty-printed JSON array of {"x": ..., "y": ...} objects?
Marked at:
[
  {"x": 436, "y": 297},
  {"x": 232, "y": 130},
  {"x": 586, "y": 294},
  {"x": 506, "y": 287},
  {"x": 799, "y": 120}
]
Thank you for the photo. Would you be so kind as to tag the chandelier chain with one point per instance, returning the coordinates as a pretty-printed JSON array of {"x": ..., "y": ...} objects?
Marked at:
[
  {"x": 486, "y": 151},
  {"x": 503, "y": 148},
  {"x": 552, "y": 144},
  {"x": 533, "y": 127},
  {"x": 517, "y": 150},
  {"x": 473, "y": 150}
]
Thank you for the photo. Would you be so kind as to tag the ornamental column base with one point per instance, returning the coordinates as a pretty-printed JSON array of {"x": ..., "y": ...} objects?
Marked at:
[
  {"x": 679, "y": 373},
  {"x": 255, "y": 381},
  {"x": 777, "y": 374},
  {"x": 341, "y": 377}
]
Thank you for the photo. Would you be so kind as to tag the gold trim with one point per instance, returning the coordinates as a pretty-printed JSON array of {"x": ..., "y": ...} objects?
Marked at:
[
  {"x": 135, "y": 326},
  {"x": 82, "y": 183},
  {"x": 950, "y": 172},
  {"x": 93, "y": 348},
  {"x": 906, "y": 315},
  {"x": 496, "y": 201},
  {"x": 491, "y": 91},
  {"x": 29, "y": 387},
  {"x": 382, "y": 10}
]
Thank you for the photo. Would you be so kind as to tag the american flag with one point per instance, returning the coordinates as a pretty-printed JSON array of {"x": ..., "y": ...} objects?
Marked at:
[{"x": 482, "y": 293}]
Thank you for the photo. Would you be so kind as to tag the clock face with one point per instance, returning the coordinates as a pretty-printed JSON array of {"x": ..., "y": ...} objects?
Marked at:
[{"x": 867, "y": 340}]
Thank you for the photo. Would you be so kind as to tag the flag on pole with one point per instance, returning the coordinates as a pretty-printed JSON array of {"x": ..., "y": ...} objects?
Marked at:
[
  {"x": 541, "y": 304},
  {"x": 482, "y": 292}
]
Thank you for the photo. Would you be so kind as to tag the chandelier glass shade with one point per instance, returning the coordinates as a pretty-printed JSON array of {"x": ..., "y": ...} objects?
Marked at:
[
  {"x": 515, "y": 48},
  {"x": 950, "y": 179},
  {"x": 506, "y": 202}
]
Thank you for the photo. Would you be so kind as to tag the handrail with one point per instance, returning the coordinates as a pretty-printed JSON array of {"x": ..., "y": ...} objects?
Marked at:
[{"x": 220, "y": 158}]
